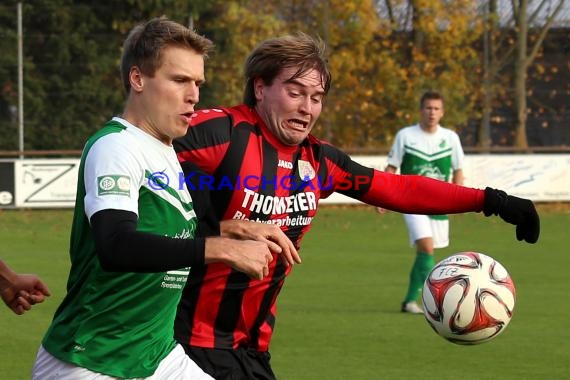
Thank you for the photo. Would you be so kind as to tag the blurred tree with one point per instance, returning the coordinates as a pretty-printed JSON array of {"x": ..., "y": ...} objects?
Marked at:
[
  {"x": 383, "y": 55},
  {"x": 431, "y": 46},
  {"x": 353, "y": 114},
  {"x": 236, "y": 27},
  {"x": 72, "y": 53},
  {"x": 510, "y": 28},
  {"x": 70, "y": 82},
  {"x": 524, "y": 56},
  {"x": 8, "y": 77},
  {"x": 489, "y": 74}
]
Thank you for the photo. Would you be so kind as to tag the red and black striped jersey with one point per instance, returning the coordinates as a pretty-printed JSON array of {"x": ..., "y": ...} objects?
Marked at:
[{"x": 252, "y": 176}]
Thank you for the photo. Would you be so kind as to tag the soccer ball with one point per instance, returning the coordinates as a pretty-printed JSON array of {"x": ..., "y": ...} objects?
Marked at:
[{"x": 468, "y": 298}]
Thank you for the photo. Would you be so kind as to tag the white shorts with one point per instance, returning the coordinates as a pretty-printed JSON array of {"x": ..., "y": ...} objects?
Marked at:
[
  {"x": 422, "y": 226},
  {"x": 175, "y": 366}
]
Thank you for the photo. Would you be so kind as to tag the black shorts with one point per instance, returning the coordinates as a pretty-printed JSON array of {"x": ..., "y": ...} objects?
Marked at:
[{"x": 238, "y": 364}]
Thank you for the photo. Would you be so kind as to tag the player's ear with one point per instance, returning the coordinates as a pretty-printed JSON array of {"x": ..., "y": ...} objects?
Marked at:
[
  {"x": 258, "y": 86},
  {"x": 136, "y": 79}
]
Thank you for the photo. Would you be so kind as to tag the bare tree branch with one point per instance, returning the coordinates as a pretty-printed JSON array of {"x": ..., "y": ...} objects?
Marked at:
[{"x": 543, "y": 32}]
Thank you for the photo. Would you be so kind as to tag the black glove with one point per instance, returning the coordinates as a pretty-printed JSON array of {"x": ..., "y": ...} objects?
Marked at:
[{"x": 517, "y": 211}]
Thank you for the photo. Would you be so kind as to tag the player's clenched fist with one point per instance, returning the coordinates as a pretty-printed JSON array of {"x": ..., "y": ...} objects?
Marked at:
[
  {"x": 21, "y": 291},
  {"x": 518, "y": 211},
  {"x": 269, "y": 234},
  {"x": 248, "y": 256}
]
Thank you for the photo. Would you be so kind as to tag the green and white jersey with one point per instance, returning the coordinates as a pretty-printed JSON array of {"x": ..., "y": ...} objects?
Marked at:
[
  {"x": 121, "y": 324},
  {"x": 435, "y": 155}
]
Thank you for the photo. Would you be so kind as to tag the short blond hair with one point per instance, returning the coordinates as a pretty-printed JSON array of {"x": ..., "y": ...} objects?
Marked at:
[{"x": 144, "y": 45}]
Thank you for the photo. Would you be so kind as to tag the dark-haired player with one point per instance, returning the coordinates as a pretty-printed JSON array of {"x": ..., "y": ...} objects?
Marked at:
[{"x": 268, "y": 168}]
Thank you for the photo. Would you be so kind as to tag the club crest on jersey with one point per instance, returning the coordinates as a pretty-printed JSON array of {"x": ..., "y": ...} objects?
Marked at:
[
  {"x": 114, "y": 185},
  {"x": 306, "y": 170}
]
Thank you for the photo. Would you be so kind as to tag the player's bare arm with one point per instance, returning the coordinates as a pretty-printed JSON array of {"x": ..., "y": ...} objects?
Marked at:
[
  {"x": 248, "y": 256},
  {"x": 458, "y": 177},
  {"x": 21, "y": 291},
  {"x": 270, "y": 234}
]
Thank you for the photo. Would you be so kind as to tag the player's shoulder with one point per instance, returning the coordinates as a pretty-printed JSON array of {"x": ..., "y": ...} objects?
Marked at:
[
  {"x": 114, "y": 132},
  {"x": 324, "y": 149},
  {"x": 448, "y": 131},
  {"x": 233, "y": 115},
  {"x": 409, "y": 130},
  {"x": 112, "y": 128},
  {"x": 205, "y": 115},
  {"x": 315, "y": 143},
  {"x": 118, "y": 137}
]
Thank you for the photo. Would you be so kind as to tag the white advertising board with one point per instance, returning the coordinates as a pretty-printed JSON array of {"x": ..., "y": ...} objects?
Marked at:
[
  {"x": 540, "y": 177},
  {"x": 46, "y": 183}
]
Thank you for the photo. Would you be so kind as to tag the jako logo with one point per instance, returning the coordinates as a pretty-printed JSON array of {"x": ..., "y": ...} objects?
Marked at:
[{"x": 285, "y": 164}]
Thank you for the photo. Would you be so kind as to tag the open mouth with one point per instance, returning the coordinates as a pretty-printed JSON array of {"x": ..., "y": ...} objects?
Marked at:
[
  {"x": 187, "y": 116},
  {"x": 298, "y": 124}
]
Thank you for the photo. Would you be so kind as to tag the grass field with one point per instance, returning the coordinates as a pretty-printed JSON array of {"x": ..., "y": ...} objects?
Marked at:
[{"x": 339, "y": 311}]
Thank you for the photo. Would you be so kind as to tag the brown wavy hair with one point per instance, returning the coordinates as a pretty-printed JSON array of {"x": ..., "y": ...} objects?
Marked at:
[{"x": 270, "y": 57}]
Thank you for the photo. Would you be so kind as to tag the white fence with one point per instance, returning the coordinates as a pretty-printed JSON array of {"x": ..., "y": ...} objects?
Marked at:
[
  {"x": 539, "y": 177},
  {"x": 51, "y": 183}
]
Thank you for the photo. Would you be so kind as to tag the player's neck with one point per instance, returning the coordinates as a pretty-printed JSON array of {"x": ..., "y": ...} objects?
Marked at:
[{"x": 429, "y": 128}]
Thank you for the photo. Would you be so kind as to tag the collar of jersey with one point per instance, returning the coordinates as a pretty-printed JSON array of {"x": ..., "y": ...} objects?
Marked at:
[{"x": 136, "y": 130}]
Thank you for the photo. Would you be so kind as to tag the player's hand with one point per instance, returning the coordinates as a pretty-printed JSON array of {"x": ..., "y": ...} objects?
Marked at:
[
  {"x": 248, "y": 256},
  {"x": 518, "y": 211},
  {"x": 269, "y": 234},
  {"x": 25, "y": 291},
  {"x": 381, "y": 210}
]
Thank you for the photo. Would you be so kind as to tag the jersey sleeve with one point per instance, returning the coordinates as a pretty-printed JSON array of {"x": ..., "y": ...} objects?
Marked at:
[
  {"x": 121, "y": 248},
  {"x": 345, "y": 175},
  {"x": 396, "y": 151},
  {"x": 112, "y": 176},
  {"x": 414, "y": 194},
  {"x": 458, "y": 155}
]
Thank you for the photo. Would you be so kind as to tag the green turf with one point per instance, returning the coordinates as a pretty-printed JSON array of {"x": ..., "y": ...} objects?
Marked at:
[{"x": 338, "y": 314}]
